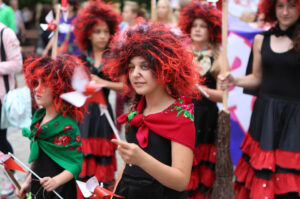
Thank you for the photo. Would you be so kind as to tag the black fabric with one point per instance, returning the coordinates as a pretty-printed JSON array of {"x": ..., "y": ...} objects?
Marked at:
[
  {"x": 3, "y": 58},
  {"x": 281, "y": 72},
  {"x": 275, "y": 124},
  {"x": 136, "y": 183},
  {"x": 5, "y": 146},
  {"x": 45, "y": 166},
  {"x": 278, "y": 32},
  {"x": 206, "y": 116}
]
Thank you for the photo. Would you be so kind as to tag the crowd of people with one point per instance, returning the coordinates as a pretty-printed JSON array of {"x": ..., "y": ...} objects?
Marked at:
[{"x": 168, "y": 70}]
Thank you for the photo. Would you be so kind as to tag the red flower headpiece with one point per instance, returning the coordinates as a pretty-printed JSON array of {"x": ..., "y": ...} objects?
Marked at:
[
  {"x": 96, "y": 12},
  {"x": 56, "y": 75},
  {"x": 166, "y": 55},
  {"x": 211, "y": 15},
  {"x": 267, "y": 7}
]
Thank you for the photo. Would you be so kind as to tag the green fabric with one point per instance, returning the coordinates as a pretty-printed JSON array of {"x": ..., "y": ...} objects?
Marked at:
[
  {"x": 59, "y": 138},
  {"x": 7, "y": 17}
]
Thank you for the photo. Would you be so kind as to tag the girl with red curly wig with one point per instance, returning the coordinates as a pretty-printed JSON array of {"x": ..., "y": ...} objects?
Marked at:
[
  {"x": 158, "y": 70},
  {"x": 203, "y": 24},
  {"x": 269, "y": 166},
  {"x": 94, "y": 26},
  {"x": 55, "y": 137}
]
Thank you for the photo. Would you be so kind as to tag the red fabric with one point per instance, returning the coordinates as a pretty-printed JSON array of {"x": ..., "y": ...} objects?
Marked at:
[
  {"x": 98, "y": 146},
  {"x": 104, "y": 173},
  {"x": 166, "y": 124},
  {"x": 205, "y": 152},
  {"x": 201, "y": 174},
  {"x": 260, "y": 159},
  {"x": 256, "y": 188}
]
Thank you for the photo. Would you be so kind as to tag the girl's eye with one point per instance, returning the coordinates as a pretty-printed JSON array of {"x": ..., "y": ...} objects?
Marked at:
[
  {"x": 130, "y": 67},
  {"x": 144, "y": 67}
]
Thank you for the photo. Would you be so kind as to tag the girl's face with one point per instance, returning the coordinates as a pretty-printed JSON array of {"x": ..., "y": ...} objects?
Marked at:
[
  {"x": 199, "y": 31},
  {"x": 141, "y": 77},
  {"x": 287, "y": 12},
  {"x": 43, "y": 95},
  {"x": 162, "y": 10},
  {"x": 100, "y": 37}
]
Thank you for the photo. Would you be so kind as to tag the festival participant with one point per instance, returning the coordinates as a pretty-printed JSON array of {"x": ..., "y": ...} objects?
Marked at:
[
  {"x": 55, "y": 138},
  {"x": 93, "y": 28},
  {"x": 269, "y": 167},
  {"x": 158, "y": 70},
  {"x": 66, "y": 43},
  {"x": 164, "y": 13},
  {"x": 203, "y": 24}
]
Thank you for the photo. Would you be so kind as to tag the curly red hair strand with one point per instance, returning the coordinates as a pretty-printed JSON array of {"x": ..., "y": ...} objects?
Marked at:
[
  {"x": 211, "y": 15},
  {"x": 95, "y": 13},
  {"x": 166, "y": 55},
  {"x": 56, "y": 75}
]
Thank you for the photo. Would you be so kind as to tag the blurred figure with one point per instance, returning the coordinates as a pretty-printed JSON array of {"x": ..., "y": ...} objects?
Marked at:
[
  {"x": 20, "y": 31},
  {"x": 164, "y": 13},
  {"x": 11, "y": 63},
  {"x": 181, "y": 4},
  {"x": 7, "y": 16},
  {"x": 66, "y": 44},
  {"x": 130, "y": 14}
]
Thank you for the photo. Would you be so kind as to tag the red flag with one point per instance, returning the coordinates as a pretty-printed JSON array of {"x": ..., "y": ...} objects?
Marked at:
[
  {"x": 101, "y": 193},
  {"x": 9, "y": 163},
  {"x": 96, "y": 92}
]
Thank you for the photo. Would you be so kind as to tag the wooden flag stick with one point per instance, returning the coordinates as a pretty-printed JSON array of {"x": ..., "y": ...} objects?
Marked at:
[
  {"x": 55, "y": 36},
  {"x": 110, "y": 121},
  {"x": 13, "y": 179},
  {"x": 224, "y": 49}
]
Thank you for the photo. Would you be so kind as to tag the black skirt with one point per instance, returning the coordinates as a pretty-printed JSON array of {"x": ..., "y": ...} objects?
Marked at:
[{"x": 270, "y": 166}]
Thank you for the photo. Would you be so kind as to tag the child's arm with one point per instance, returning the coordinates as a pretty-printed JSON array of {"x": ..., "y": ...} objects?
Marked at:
[
  {"x": 176, "y": 176},
  {"x": 119, "y": 177},
  {"x": 51, "y": 184}
]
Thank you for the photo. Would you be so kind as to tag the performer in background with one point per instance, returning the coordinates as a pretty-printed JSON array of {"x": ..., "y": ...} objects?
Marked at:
[
  {"x": 270, "y": 165},
  {"x": 203, "y": 24},
  {"x": 93, "y": 28},
  {"x": 158, "y": 71}
]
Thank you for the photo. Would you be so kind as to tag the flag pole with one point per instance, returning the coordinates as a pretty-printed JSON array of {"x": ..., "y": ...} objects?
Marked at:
[{"x": 33, "y": 173}]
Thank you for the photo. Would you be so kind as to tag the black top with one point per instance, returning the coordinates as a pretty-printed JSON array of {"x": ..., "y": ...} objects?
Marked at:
[
  {"x": 44, "y": 167},
  {"x": 136, "y": 183}
]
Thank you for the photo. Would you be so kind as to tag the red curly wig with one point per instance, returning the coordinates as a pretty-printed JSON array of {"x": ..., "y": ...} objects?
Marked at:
[
  {"x": 166, "y": 55},
  {"x": 267, "y": 7},
  {"x": 95, "y": 13},
  {"x": 211, "y": 15},
  {"x": 56, "y": 75}
]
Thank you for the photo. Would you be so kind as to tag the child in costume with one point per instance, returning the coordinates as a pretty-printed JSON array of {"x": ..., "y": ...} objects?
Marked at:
[
  {"x": 270, "y": 165},
  {"x": 203, "y": 25},
  {"x": 55, "y": 138},
  {"x": 94, "y": 26},
  {"x": 158, "y": 70}
]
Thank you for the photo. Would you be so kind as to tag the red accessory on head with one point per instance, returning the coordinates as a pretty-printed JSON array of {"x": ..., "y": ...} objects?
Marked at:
[
  {"x": 267, "y": 7},
  {"x": 166, "y": 55},
  {"x": 56, "y": 75},
  {"x": 96, "y": 12},
  {"x": 211, "y": 15}
]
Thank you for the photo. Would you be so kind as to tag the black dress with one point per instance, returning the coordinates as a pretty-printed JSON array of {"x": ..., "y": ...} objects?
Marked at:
[
  {"x": 44, "y": 167},
  {"x": 270, "y": 165},
  {"x": 99, "y": 152},
  {"x": 206, "y": 119},
  {"x": 136, "y": 183}
]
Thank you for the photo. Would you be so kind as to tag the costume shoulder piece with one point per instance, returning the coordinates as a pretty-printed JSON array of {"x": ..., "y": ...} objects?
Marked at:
[
  {"x": 59, "y": 138},
  {"x": 175, "y": 123}
]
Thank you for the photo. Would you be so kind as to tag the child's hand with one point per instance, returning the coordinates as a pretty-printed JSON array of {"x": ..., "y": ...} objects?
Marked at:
[
  {"x": 49, "y": 183},
  {"x": 24, "y": 189},
  {"x": 130, "y": 152}
]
